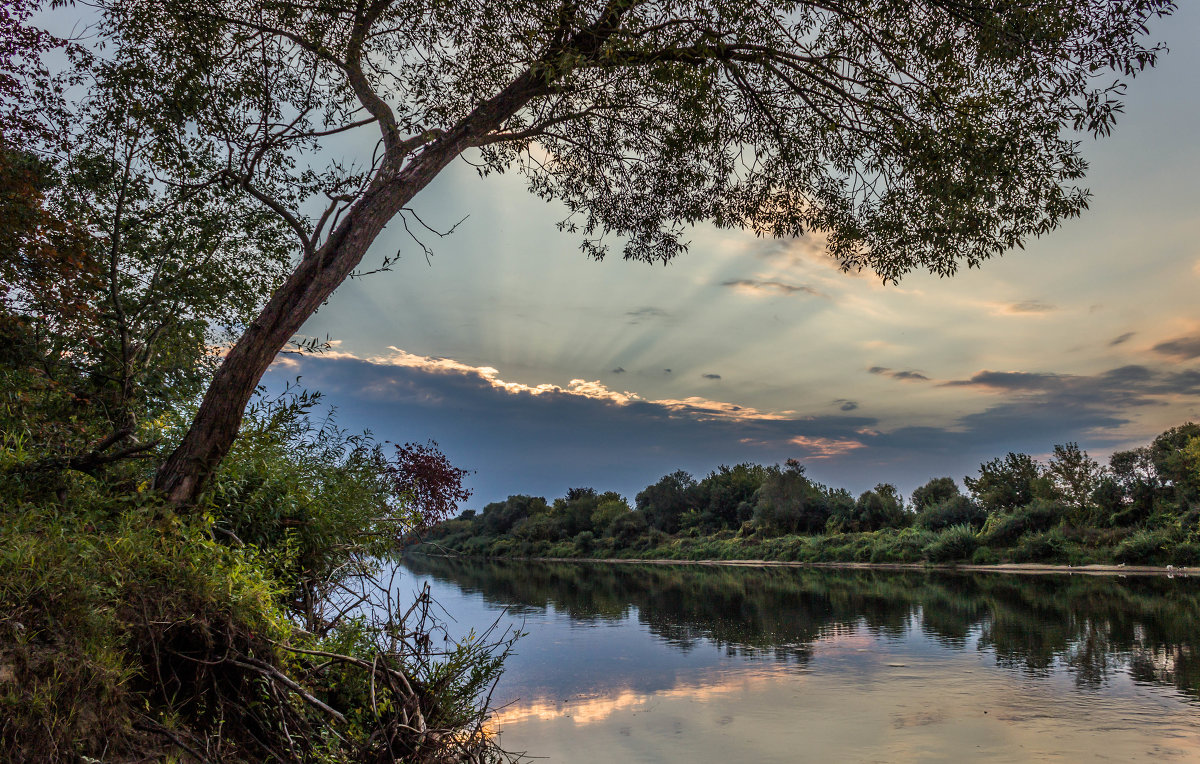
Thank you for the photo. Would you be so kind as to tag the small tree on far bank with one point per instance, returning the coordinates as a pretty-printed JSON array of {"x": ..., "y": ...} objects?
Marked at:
[
  {"x": 788, "y": 502},
  {"x": 1075, "y": 477},
  {"x": 935, "y": 491},
  {"x": 1005, "y": 484}
]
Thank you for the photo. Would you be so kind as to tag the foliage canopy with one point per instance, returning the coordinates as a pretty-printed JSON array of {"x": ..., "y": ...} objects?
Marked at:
[{"x": 907, "y": 134}]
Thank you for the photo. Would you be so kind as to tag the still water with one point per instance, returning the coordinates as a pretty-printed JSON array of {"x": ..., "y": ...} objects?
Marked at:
[{"x": 677, "y": 663}]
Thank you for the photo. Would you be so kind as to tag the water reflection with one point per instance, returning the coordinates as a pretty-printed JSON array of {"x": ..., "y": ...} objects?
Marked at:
[
  {"x": 715, "y": 663},
  {"x": 1088, "y": 626}
]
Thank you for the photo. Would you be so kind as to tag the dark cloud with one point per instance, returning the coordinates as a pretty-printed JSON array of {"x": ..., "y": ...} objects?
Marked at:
[
  {"x": 1119, "y": 388},
  {"x": 1009, "y": 380},
  {"x": 1040, "y": 410},
  {"x": 909, "y": 376},
  {"x": 779, "y": 287},
  {"x": 1031, "y": 306},
  {"x": 711, "y": 376},
  {"x": 522, "y": 441},
  {"x": 525, "y": 442},
  {"x": 647, "y": 313},
  {"x": 618, "y": 370},
  {"x": 1121, "y": 340},
  {"x": 1183, "y": 348}
]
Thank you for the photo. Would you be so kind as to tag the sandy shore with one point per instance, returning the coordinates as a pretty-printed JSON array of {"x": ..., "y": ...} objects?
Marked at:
[{"x": 1023, "y": 568}]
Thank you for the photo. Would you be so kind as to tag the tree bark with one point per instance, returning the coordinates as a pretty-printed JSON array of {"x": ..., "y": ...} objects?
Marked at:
[{"x": 184, "y": 475}]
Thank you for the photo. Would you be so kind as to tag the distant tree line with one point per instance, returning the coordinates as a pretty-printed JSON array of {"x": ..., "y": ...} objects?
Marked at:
[{"x": 1142, "y": 507}]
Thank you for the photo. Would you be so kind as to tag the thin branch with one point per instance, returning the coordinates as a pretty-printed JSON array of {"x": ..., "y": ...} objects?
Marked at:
[{"x": 273, "y": 673}]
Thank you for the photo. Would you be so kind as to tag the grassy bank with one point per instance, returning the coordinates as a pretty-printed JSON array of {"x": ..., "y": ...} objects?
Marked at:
[
  {"x": 1027, "y": 568},
  {"x": 959, "y": 544}
]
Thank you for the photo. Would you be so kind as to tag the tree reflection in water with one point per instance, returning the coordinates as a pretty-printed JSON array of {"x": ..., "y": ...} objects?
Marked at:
[{"x": 1086, "y": 626}]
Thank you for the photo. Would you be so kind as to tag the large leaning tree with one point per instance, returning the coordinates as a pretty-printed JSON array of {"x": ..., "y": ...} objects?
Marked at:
[{"x": 906, "y": 133}]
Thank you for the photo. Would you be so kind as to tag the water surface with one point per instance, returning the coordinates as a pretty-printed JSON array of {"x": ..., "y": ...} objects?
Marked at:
[{"x": 654, "y": 663}]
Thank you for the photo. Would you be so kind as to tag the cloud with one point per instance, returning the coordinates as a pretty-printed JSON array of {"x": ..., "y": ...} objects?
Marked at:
[
  {"x": 824, "y": 448},
  {"x": 1009, "y": 380},
  {"x": 1121, "y": 340},
  {"x": 811, "y": 446},
  {"x": 542, "y": 437},
  {"x": 904, "y": 376},
  {"x": 1183, "y": 348},
  {"x": 711, "y": 376},
  {"x": 1034, "y": 410},
  {"x": 1029, "y": 306},
  {"x": 1039, "y": 409},
  {"x": 763, "y": 287},
  {"x": 648, "y": 313},
  {"x": 809, "y": 252},
  {"x": 618, "y": 370},
  {"x": 578, "y": 388},
  {"x": 1123, "y": 387}
]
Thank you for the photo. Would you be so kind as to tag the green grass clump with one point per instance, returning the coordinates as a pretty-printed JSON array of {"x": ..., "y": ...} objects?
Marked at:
[
  {"x": 1144, "y": 547},
  {"x": 1002, "y": 530},
  {"x": 955, "y": 543},
  {"x": 108, "y": 623}
]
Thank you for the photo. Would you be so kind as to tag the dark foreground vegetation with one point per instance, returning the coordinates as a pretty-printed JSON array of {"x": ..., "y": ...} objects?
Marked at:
[
  {"x": 249, "y": 625},
  {"x": 257, "y": 630},
  {"x": 1143, "y": 508}
]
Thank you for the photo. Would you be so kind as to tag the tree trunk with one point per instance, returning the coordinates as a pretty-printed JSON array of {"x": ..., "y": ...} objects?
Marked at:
[
  {"x": 186, "y": 472},
  {"x": 183, "y": 476}
]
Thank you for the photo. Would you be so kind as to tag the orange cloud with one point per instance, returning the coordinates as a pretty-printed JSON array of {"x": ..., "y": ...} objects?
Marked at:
[
  {"x": 701, "y": 408},
  {"x": 823, "y": 448}
]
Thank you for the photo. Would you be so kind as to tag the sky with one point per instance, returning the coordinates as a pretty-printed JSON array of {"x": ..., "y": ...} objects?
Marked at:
[{"x": 540, "y": 369}]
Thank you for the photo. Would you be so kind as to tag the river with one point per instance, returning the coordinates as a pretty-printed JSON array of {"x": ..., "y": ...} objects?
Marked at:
[{"x": 677, "y": 663}]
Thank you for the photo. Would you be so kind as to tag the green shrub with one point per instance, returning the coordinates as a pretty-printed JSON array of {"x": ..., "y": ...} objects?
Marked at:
[
  {"x": 1144, "y": 547},
  {"x": 1049, "y": 546},
  {"x": 127, "y": 629},
  {"x": 984, "y": 556},
  {"x": 474, "y": 546},
  {"x": 955, "y": 510},
  {"x": 1005, "y": 529},
  {"x": 862, "y": 547},
  {"x": 1186, "y": 554},
  {"x": 502, "y": 547},
  {"x": 958, "y": 542},
  {"x": 584, "y": 541},
  {"x": 905, "y": 546}
]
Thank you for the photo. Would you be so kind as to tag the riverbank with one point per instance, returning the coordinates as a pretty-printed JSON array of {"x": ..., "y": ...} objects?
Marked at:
[{"x": 1013, "y": 567}]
